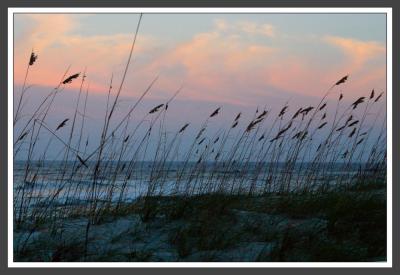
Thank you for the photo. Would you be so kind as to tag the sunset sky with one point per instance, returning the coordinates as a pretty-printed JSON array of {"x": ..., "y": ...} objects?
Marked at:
[
  {"x": 238, "y": 60},
  {"x": 232, "y": 58}
]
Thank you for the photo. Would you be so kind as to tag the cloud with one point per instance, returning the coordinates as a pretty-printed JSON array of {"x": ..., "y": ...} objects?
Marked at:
[
  {"x": 359, "y": 52},
  {"x": 44, "y": 30},
  {"x": 53, "y": 38},
  {"x": 229, "y": 63},
  {"x": 214, "y": 66},
  {"x": 364, "y": 60},
  {"x": 259, "y": 29},
  {"x": 248, "y": 27}
]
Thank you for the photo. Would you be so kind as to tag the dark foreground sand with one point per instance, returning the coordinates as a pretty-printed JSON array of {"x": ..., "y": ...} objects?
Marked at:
[{"x": 337, "y": 226}]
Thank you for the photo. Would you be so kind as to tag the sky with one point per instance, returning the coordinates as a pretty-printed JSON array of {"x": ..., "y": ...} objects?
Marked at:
[{"x": 238, "y": 61}]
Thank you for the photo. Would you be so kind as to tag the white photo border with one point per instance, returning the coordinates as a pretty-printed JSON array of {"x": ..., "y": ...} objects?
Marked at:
[{"x": 389, "y": 76}]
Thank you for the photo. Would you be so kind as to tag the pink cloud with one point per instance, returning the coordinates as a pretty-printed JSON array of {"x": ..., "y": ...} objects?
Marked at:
[
  {"x": 359, "y": 52},
  {"x": 364, "y": 60},
  {"x": 221, "y": 65},
  {"x": 215, "y": 65},
  {"x": 51, "y": 38}
]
